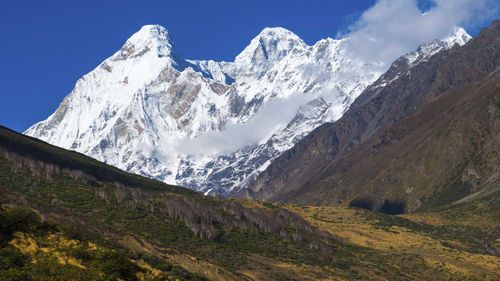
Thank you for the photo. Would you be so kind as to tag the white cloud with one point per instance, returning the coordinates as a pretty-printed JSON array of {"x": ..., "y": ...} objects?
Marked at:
[
  {"x": 394, "y": 27},
  {"x": 274, "y": 114}
]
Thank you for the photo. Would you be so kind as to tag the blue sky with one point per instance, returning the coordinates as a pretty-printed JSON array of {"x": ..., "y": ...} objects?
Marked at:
[{"x": 47, "y": 45}]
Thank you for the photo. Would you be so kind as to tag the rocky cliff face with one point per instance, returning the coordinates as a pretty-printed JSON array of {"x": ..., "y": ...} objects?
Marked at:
[
  {"x": 418, "y": 137},
  {"x": 148, "y": 111}
]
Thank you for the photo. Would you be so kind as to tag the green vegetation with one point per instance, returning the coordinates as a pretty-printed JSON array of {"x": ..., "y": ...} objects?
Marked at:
[
  {"x": 33, "y": 250},
  {"x": 155, "y": 226},
  {"x": 141, "y": 229},
  {"x": 111, "y": 200},
  {"x": 113, "y": 209}
]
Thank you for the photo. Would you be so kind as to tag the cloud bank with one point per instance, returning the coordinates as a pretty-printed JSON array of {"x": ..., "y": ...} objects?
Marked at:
[
  {"x": 392, "y": 28},
  {"x": 274, "y": 114}
]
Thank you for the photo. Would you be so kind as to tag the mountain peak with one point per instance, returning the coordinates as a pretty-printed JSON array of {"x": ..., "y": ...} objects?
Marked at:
[
  {"x": 150, "y": 32},
  {"x": 149, "y": 37},
  {"x": 278, "y": 33},
  {"x": 426, "y": 51},
  {"x": 267, "y": 48},
  {"x": 458, "y": 36},
  {"x": 271, "y": 44}
]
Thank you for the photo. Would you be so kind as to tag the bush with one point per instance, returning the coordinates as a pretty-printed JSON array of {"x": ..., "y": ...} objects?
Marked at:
[
  {"x": 11, "y": 258},
  {"x": 14, "y": 274},
  {"x": 116, "y": 265},
  {"x": 18, "y": 219}
]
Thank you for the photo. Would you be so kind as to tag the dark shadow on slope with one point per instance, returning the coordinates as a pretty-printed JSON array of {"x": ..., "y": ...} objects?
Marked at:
[
  {"x": 390, "y": 207},
  {"x": 363, "y": 203},
  {"x": 393, "y": 207}
]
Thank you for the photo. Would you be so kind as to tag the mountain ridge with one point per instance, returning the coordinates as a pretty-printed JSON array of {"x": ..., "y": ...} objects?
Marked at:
[{"x": 332, "y": 176}]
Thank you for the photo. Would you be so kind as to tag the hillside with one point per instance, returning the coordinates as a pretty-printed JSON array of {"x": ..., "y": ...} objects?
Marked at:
[
  {"x": 170, "y": 223},
  {"x": 34, "y": 250},
  {"x": 187, "y": 235}
]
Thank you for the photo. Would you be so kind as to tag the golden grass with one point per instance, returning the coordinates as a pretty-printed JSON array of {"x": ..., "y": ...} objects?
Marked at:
[
  {"x": 264, "y": 268},
  {"x": 26, "y": 244},
  {"x": 356, "y": 228},
  {"x": 149, "y": 272},
  {"x": 188, "y": 262},
  {"x": 55, "y": 245},
  {"x": 473, "y": 220}
]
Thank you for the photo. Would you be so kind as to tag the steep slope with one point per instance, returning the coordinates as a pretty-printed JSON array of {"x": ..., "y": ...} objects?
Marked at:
[
  {"x": 429, "y": 137},
  {"x": 148, "y": 217},
  {"x": 145, "y": 109},
  {"x": 180, "y": 233}
]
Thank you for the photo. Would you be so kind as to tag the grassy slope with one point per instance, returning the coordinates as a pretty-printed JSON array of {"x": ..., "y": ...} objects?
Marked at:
[
  {"x": 32, "y": 250},
  {"x": 442, "y": 241},
  {"x": 135, "y": 217},
  {"x": 175, "y": 226}
]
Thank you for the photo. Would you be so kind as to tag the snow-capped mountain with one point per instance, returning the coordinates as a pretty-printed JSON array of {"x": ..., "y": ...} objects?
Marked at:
[{"x": 201, "y": 123}]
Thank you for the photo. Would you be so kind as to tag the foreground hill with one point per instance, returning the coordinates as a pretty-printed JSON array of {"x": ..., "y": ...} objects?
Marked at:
[
  {"x": 428, "y": 138},
  {"x": 165, "y": 231}
]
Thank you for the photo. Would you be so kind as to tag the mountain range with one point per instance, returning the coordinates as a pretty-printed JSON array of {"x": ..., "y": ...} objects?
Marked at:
[{"x": 212, "y": 126}]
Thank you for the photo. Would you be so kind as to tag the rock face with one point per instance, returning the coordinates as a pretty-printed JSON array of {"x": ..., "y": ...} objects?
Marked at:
[
  {"x": 148, "y": 111},
  {"x": 418, "y": 137}
]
